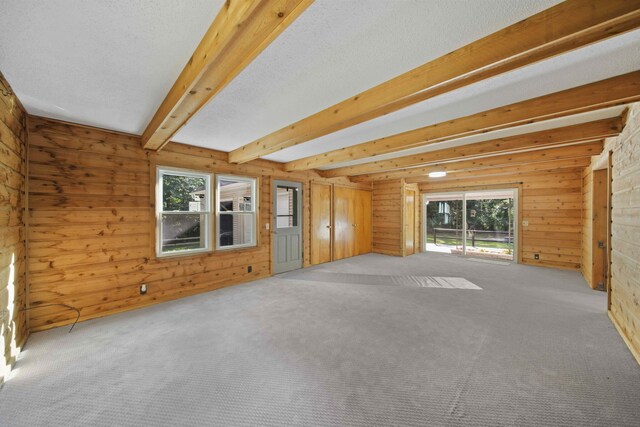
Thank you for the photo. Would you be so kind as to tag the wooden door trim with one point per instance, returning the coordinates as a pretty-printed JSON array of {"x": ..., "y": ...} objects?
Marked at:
[
  {"x": 609, "y": 222},
  {"x": 405, "y": 225},
  {"x": 363, "y": 201},
  {"x": 311, "y": 222},
  {"x": 333, "y": 223}
]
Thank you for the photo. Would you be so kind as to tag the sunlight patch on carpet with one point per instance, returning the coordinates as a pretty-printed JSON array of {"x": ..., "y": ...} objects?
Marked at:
[{"x": 381, "y": 280}]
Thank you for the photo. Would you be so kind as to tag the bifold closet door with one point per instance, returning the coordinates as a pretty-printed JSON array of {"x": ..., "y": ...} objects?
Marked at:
[
  {"x": 363, "y": 226},
  {"x": 344, "y": 222},
  {"x": 352, "y": 222},
  {"x": 320, "y": 223}
]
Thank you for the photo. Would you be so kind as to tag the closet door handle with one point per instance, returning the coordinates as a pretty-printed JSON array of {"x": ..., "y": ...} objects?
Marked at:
[{"x": 328, "y": 226}]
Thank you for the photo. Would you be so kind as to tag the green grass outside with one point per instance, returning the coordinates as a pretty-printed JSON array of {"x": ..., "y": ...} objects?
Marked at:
[{"x": 452, "y": 241}]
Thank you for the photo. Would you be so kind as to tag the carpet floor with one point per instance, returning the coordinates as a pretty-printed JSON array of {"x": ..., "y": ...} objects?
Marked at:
[{"x": 510, "y": 345}]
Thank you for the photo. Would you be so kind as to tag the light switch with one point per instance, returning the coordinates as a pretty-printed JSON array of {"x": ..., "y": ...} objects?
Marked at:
[{"x": 266, "y": 225}]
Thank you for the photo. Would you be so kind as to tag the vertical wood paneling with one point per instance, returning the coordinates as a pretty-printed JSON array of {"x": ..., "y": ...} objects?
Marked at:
[
  {"x": 92, "y": 223},
  {"x": 13, "y": 283}
]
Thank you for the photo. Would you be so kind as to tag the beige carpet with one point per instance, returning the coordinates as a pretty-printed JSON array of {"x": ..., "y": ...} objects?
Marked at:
[{"x": 532, "y": 347}]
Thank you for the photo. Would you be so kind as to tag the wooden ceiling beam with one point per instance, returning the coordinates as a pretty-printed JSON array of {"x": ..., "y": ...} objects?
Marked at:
[
  {"x": 590, "y": 131},
  {"x": 512, "y": 171},
  {"x": 240, "y": 32},
  {"x": 567, "y": 26},
  {"x": 614, "y": 91},
  {"x": 564, "y": 178},
  {"x": 565, "y": 152}
]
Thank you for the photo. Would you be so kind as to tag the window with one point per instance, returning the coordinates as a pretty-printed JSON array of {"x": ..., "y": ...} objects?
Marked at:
[
  {"x": 286, "y": 207},
  {"x": 236, "y": 212},
  {"x": 183, "y": 212}
]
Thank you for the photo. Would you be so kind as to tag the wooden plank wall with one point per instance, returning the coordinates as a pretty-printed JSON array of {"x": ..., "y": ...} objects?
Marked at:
[
  {"x": 551, "y": 203},
  {"x": 92, "y": 223},
  {"x": 13, "y": 170},
  {"x": 587, "y": 226},
  {"x": 389, "y": 218},
  {"x": 625, "y": 230},
  {"x": 388, "y": 201}
]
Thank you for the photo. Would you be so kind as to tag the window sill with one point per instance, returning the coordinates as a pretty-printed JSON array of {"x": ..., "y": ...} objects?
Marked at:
[
  {"x": 237, "y": 248},
  {"x": 208, "y": 253},
  {"x": 184, "y": 254}
]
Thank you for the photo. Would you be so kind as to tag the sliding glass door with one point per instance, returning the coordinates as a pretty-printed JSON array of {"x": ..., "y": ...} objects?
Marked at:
[
  {"x": 479, "y": 223},
  {"x": 490, "y": 224},
  {"x": 444, "y": 223}
]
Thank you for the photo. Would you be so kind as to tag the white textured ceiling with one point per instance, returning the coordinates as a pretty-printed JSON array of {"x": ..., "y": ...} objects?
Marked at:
[
  {"x": 596, "y": 62},
  {"x": 106, "y": 63},
  {"x": 110, "y": 64},
  {"x": 574, "y": 119},
  {"x": 337, "y": 49}
]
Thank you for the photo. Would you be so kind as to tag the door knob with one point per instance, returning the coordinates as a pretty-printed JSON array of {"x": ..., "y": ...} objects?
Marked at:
[{"x": 328, "y": 226}]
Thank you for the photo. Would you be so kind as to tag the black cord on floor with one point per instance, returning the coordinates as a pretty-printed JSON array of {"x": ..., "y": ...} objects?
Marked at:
[{"x": 57, "y": 304}]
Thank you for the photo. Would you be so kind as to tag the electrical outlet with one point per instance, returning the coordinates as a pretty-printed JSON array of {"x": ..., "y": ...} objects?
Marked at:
[
  {"x": 525, "y": 223},
  {"x": 536, "y": 256},
  {"x": 249, "y": 269},
  {"x": 143, "y": 289}
]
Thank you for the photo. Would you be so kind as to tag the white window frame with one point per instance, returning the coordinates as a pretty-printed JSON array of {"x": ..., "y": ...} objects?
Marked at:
[
  {"x": 254, "y": 211},
  {"x": 205, "y": 224}
]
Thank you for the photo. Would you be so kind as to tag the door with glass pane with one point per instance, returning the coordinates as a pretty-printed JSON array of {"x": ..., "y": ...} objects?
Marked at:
[{"x": 287, "y": 230}]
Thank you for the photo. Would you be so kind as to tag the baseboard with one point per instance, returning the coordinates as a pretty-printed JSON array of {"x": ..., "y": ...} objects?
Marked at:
[
  {"x": 626, "y": 339},
  {"x": 386, "y": 252}
]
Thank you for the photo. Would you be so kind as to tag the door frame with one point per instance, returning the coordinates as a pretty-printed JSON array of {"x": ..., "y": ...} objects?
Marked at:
[
  {"x": 274, "y": 226},
  {"x": 600, "y": 205},
  {"x": 407, "y": 229},
  {"x": 609, "y": 220},
  {"x": 312, "y": 225},
  {"x": 516, "y": 220}
]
